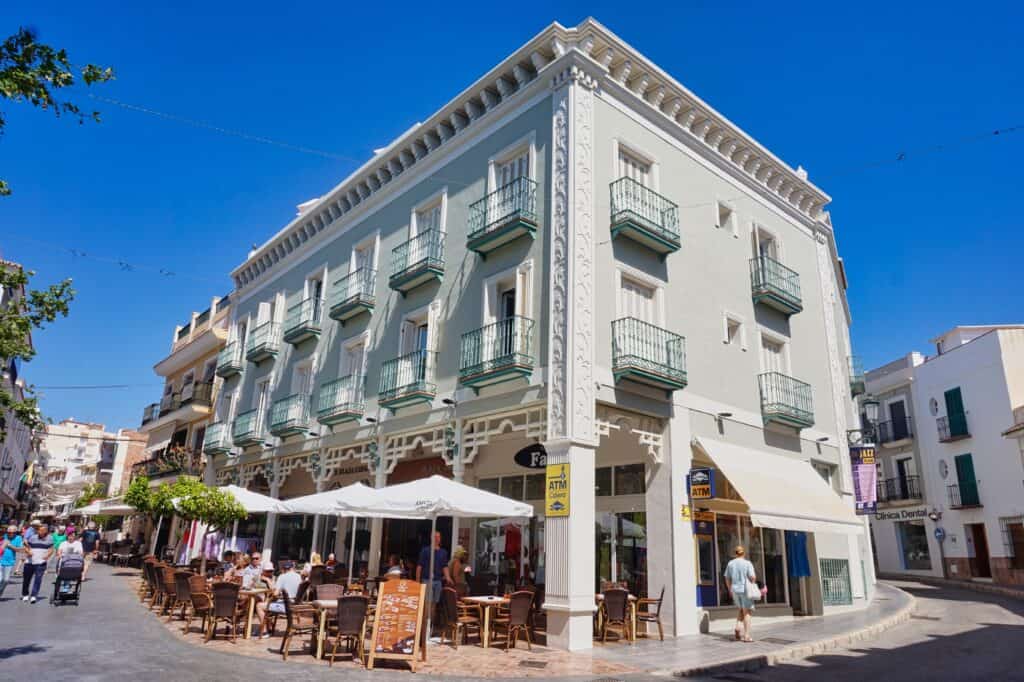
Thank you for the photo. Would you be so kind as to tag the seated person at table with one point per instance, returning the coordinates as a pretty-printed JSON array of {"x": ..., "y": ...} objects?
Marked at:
[
  {"x": 235, "y": 571},
  {"x": 395, "y": 564},
  {"x": 251, "y": 573},
  {"x": 331, "y": 562},
  {"x": 314, "y": 560},
  {"x": 288, "y": 582},
  {"x": 227, "y": 561}
]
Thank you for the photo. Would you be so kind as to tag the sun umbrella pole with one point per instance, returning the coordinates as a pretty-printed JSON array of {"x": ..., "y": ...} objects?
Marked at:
[
  {"x": 351, "y": 550},
  {"x": 234, "y": 536},
  {"x": 430, "y": 582}
]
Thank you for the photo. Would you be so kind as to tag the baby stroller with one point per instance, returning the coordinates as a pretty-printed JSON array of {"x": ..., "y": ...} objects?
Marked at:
[{"x": 69, "y": 580}]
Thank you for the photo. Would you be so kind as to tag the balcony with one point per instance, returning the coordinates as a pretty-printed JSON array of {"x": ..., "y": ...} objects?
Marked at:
[
  {"x": 502, "y": 216},
  {"x": 353, "y": 295},
  {"x": 648, "y": 354},
  {"x": 417, "y": 261},
  {"x": 953, "y": 427},
  {"x": 775, "y": 285},
  {"x": 264, "y": 342},
  {"x": 198, "y": 394},
  {"x": 903, "y": 489},
  {"x": 216, "y": 441},
  {"x": 302, "y": 321},
  {"x": 644, "y": 216},
  {"x": 963, "y": 495},
  {"x": 785, "y": 400},
  {"x": 340, "y": 401},
  {"x": 229, "y": 360},
  {"x": 408, "y": 380},
  {"x": 151, "y": 412},
  {"x": 498, "y": 352},
  {"x": 170, "y": 462},
  {"x": 247, "y": 429},
  {"x": 169, "y": 403},
  {"x": 895, "y": 432},
  {"x": 857, "y": 385},
  {"x": 289, "y": 416}
]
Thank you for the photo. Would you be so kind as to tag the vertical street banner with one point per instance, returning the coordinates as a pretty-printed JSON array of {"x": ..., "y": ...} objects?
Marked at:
[{"x": 865, "y": 479}]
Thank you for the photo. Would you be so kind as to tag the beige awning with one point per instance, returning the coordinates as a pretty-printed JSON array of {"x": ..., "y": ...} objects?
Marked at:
[{"x": 782, "y": 492}]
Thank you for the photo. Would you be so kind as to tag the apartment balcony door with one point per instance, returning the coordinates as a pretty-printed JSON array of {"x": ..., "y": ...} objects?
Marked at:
[
  {"x": 980, "y": 567},
  {"x": 898, "y": 419}
]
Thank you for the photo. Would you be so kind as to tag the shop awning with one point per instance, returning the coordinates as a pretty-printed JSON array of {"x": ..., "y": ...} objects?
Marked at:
[{"x": 782, "y": 492}]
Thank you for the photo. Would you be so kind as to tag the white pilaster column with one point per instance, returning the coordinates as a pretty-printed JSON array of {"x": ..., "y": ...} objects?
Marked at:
[
  {"x": 681, "y": 597},
  {"x": 458, "y": 475},
  {"x": 376, "y": 525},
  {"x": 569, "y": 540},
  {"x": 316, "y": 525}
]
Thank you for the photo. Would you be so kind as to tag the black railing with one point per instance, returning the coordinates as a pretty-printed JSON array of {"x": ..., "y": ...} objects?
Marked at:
[
  {"x": 894, "y": 430},
  {"x": 953, "y": 427},
  {"x": 964, "y": 494},
  {"x": 202, "y": 394},
  {"x": 896, "y": 489}
]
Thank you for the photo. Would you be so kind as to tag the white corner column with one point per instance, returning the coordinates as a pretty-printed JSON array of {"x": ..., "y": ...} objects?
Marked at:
[
  {"x": 686, "y": 616},
  {"x": 569, "y": 540},
  {"x": 380, "y": 480}
]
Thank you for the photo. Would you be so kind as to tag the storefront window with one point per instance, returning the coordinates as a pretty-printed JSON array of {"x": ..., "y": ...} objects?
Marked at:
[
  {"x": 705, "y": 560},
  {"x": 774, "y": 565},
  {"x": 535, "y": 487},
  {"x": 631, "y": 552},
  {"x": 508, "y": 553},
  {"x": 604, "y": 533},
  {"x": 913, "y": 540},
  {"x": 512, "y": 487},
  {"x": 489, "y": 484},
  {"x": 727, "y": 538},
  {"x": 603, "y": 482},
  {"x": 629, "y": 479},
  {"x": 293, "y": 537}
]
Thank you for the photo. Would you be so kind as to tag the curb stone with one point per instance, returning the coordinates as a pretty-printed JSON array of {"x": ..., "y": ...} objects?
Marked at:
[
  {"x": 806, "y": 649},
  {"x": 1013, "y": 593}
]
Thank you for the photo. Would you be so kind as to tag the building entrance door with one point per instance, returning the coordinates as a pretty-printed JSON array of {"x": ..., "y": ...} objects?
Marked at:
[{"x": 980, "y": 567}]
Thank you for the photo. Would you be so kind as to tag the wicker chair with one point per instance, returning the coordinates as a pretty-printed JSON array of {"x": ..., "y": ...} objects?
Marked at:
[
  {"x": 517, "y": 619},
  {"x": 182, "y": 594},
  {"x": 146, "y": 584},
  {"x": 649, "y": 611},
  {"x": 317, "y": 577},
  {"x": 202, "y": 602},
  {"x": 156, "y": 573},
  {"x": 170, "y": 590},
  {"x": 226, "y": 608},
  {"x": 459, "y": 617},
  {"x": 615, "y": 612},
  {"x": 351, "y": 627},
  {"x": 328, "y": 590},
  {"x": 301, "y": 620}
]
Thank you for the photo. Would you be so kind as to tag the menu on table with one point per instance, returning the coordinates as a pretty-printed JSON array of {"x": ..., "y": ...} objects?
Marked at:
[{"x": 397, "y": 625}]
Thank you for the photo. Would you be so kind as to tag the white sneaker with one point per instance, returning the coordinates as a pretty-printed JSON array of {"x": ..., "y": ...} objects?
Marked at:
[
  {"x": 32, "y": 600},
  {"x": 24, "y": 599}
]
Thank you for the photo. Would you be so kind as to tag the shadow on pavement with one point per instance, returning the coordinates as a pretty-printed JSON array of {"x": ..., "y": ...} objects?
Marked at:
[
  {"x": 20, "y": 650},
  {"x": 963, "y": 594}
]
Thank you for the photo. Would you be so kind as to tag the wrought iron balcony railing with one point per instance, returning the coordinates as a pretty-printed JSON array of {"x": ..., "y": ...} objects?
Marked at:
[
  {"x": 353, "y": 294},
  {"x": 408, "y": 379},
  {"x": 289, "y": 416},
  {"x": 775, "y": 285},
  {"x": 503, "y": 215},
  {"x": 497, "y": 352},
  {"x": 302, "y": 321},
  {"x": 785, "y": 400},
  {"x": 649, "y": 354},
  {"x": 895, "y": 430},
  {"x": 341, "y": 400},
  {"x": 897, "y": 489},
  {"x": 200, "y": 393},
  {"x": 857, "y": 384},
  {"x": 169, "y": 403},
  {"x": 644, "y": 215},
  {"x": 418, "y": 260},
  {"x": 247, "y": 429},
  {"x": 953, "y": 427},
  {"x": 216, "y": 440},
  {"x": 151, "y": 412},
  {"x": 229, "y": 360},
  {"x": 264, "y": 342},
  {"x": 963, "y": 494}
]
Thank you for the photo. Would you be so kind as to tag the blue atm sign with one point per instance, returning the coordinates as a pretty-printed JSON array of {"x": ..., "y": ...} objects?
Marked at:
[{"x": 701, "y": 483}]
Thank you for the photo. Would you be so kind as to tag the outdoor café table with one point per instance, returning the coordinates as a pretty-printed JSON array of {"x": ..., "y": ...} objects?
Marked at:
[
  {"x": 632, "y": 613},
  {"x": 251, "y": 595},
  {"x": 486, "y": 603}
]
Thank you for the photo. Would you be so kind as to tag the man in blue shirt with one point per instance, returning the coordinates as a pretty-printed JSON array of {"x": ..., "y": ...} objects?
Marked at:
[
  {"x": 9, "y": 548},
  {"x": 440, "y": 569}
]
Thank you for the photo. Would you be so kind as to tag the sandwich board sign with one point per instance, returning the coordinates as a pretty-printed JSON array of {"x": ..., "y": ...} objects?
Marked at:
[{"x": 398, "y": 624}]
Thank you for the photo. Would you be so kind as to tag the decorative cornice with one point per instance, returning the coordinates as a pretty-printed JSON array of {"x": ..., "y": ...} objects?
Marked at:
[{"x": 603, "y": 51}]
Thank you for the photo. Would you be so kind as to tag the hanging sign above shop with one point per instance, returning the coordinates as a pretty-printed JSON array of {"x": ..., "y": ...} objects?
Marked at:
[
  {"x": 533, "y": 456},
  {"x": 556, "y": 495},
  {"x": 865, "y": 479},
  {"x": 701, "y": 483}
]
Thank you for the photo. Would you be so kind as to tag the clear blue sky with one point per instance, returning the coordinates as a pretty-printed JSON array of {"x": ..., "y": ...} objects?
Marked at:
[{"x": 931, "y": 242}]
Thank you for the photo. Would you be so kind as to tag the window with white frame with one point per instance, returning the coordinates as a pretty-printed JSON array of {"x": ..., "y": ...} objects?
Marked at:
[
  {"x": 826, "y": 471},
  {"x": 314, "y": 293},
  {"x": 766, "y": 244},
  {"x": 364, "y": 254},
  {"x": 428, "y": 218},
  {"x": 726, "y": 216},
  {"x": 353, "y": 364},
  {"x": 302, "y": 378},
  {"x": 224, "y": 406},
  {"x": 732, "y": 331},
  {"x": 1013, "y": 539},
  {"x": 638, "y": 299},
  {"x": 508, "y": 294},
  {"x": 632, "y": 166},
  {"x": 261, "y": 403},
  {"x": 512, "y": 167},
  {"x": 188, "y": 384},
  {"x": 773, "y": 355}
]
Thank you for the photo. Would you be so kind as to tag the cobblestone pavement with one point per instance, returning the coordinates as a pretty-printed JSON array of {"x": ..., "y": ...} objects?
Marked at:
[
  {"x": 112, "y": 635},
  {"x": 953, "y": 634}
]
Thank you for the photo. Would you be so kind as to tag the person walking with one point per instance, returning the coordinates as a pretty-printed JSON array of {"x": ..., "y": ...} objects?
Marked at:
[
  {"x": 10, "y": 548},
  {"x": 90, "y": 546},
  {"x": 39, "y": 549},
  {"x": 739, "y": 578},
  {"x": 71, "y": 545},
  {"x": 440, "y": 570}
]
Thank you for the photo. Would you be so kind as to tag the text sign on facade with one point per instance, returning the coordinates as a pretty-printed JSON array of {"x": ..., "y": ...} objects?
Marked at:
[
  {"x": 865, "y": 479},
  {"x": 556, "y": 495},
  {"x": 533, "y": 456},
  {"x": 702, "y": 483}
]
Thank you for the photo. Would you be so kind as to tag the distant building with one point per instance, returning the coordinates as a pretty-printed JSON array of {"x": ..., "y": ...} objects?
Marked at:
[
  {"x": 950, "y": 444},
  {"x": 131, "y": 449},
  {"x": 16, "y": 452}
]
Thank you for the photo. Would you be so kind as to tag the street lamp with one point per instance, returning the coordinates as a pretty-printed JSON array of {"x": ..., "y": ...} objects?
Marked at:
[{"x": 865, "y": 434}]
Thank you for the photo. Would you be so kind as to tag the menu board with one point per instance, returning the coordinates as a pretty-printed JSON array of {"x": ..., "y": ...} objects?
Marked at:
[{"x": 398, "y": 623}]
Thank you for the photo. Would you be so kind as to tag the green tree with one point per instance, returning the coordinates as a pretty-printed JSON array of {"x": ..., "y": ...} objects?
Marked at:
[
  {"x": 212, "y": 507},
  {"x": 90, "y": 493},
  {"x": 33, "y": 72},
  {"x": 139, "y": 495},
  {"x": 24, "y": 311}
]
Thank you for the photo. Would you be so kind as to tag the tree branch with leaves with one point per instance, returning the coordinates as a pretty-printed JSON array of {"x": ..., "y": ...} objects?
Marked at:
[{"x": 32, "y": 72}]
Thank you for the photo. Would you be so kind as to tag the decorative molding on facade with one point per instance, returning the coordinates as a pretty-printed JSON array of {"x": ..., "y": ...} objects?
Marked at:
[
  {"x": 648, "y": 430},
  {"x": 589, "y": 42},
  {"x": 398, "y": 446},
  {"x": 529, "y": 422},
  {"x": 560, "y": 282},
  {"x": 838, "y": 373}
]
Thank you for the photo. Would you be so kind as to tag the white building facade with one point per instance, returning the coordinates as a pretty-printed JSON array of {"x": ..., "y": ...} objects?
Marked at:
[
  {"x": 576, "y": 261},
  {"x": 956, "y": 463}
]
